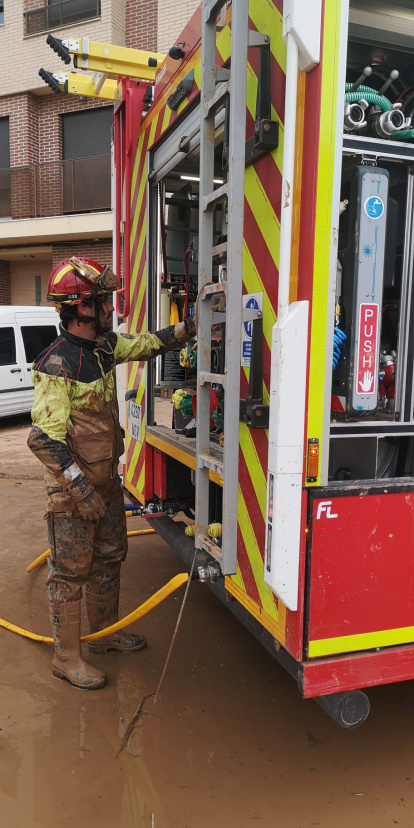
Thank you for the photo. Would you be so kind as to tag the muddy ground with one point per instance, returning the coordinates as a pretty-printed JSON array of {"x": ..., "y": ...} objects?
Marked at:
[{"x": 229, "y": 744}]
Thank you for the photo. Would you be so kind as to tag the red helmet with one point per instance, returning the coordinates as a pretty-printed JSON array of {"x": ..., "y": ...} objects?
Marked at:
[{"x": 70, "y": 284}]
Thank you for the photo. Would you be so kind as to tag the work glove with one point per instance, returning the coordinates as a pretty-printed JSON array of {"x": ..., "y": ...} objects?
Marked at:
[
  {"x": 192, "y": 321},
  {"x": 338, "y": 341},
  {"x": 92, "y": 507},
  {"x": 89, "y": 503},
  {"x": 187, "y": 329}
]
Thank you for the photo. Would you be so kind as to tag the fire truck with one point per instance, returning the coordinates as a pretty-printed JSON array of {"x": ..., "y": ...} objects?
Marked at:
[{"x": 266, "y": 166}]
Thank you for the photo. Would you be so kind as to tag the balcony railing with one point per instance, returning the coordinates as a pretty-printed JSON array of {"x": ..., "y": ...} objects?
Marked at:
[
  {"x": 56, "y": 188},
  {"x": 60, "y": 14}
]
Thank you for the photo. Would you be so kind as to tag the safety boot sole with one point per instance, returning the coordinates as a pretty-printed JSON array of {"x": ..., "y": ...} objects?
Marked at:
[
  {"x": 99, "y": 649},
  {"x": 63, "y": 677}
]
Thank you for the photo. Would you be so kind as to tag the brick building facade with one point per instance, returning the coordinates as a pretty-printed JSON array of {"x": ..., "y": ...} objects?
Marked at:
[{"x": 44, "y": 213}]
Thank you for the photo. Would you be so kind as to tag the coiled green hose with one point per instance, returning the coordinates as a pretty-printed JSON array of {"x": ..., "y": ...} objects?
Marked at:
[
  {"x": 362, "y": 88},
  {"x": 370, "y": 96}
]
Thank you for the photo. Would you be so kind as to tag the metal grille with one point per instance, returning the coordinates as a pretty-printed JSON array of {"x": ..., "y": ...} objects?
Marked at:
[{"x": 82, "y": 185}]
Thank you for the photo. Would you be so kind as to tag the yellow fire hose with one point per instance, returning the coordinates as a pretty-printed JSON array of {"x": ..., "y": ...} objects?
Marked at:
[{"x": 148, "y": 605}]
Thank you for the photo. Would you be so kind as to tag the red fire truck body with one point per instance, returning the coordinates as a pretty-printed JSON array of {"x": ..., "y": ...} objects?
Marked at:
[{"x": 269, "y": 169}]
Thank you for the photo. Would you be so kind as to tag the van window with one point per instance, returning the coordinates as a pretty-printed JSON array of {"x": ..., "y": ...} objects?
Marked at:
[
  {"x": 36, "y": 338},
  {"x": 7, "y": 346}
]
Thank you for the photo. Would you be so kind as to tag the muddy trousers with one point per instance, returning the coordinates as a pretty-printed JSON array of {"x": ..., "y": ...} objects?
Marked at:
[{"x": 87, "y": 553}]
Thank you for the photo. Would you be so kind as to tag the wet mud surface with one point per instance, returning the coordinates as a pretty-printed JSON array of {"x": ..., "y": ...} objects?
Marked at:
[{"x": 229, "y": 742}]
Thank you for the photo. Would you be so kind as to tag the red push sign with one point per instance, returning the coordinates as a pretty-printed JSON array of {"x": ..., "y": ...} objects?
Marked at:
[{"x": 366, "y": 375}]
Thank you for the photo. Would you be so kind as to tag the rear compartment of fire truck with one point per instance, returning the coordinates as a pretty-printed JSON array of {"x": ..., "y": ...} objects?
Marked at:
[
  {"x": 360, "y": 595},
  {"x": 174, "y": 234},
  {"x": 372, "y": 420},
  {"x": 372, "y": 401}
]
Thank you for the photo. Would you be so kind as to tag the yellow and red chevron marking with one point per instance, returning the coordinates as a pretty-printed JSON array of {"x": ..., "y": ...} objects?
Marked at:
[
  {"x": 135, "y": 451},
  {"x": 260, "y": 262},
  {"x": 262, "y": 191}
]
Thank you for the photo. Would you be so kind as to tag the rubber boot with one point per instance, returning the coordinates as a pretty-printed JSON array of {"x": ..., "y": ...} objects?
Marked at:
[
  {"x": 102, "y": 598},
  {"x": 67, "y": 661}
]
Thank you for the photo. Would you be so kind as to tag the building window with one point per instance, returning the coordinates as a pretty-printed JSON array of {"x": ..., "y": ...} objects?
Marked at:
[
  {"x": 4, "y": 144},
  {"x": 1, "y": 12},
  {"x": 5, "y": 192},
  {"x": 58, "y": 13},
  {"x": 38, "y": 290},
  {"x": 86, "y": 154}
]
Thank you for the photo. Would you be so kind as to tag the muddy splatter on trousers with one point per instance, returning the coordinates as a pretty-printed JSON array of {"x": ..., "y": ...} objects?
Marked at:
[{"x": 90, "y": 553}]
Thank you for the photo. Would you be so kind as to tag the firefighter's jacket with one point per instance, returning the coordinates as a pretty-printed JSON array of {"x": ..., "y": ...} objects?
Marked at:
[{"x": 76, "y": 432}]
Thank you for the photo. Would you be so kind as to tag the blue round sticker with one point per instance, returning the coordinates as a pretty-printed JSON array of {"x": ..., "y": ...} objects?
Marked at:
[
  {"x": 248, "y": 326},
  {"x": 374, "y": 207}
]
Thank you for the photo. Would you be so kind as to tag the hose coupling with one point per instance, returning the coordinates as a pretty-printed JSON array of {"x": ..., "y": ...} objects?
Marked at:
[
  {"x": 209, "y": 572},
  {"x": 384, "y": 124},
  {"x": 354, "y": 116}
]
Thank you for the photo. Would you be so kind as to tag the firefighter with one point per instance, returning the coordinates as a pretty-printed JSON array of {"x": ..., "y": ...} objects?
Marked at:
[{"x": 77, "y": 436}]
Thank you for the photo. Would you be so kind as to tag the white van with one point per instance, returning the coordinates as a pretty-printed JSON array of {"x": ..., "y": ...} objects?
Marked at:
[{"x": 24, "y": 333}]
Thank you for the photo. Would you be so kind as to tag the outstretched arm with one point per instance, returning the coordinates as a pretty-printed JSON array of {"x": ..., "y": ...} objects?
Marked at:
[{"x": 146, "y": 345}]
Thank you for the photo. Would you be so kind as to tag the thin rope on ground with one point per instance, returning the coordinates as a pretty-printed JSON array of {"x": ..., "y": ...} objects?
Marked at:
[
  {"x": 144, "y": 699},
  {"x": 132, "y": 723},
  {"x": 176, "y": 628}
]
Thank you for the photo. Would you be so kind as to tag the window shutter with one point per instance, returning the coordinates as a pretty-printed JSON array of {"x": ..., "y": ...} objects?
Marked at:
[
  {"x": 4, "y": 144},
  {"x": 87, "y": 134}
]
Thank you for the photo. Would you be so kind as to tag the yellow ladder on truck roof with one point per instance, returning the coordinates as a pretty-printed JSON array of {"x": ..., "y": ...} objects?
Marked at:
[
  {"x": 106, "y": 58},
  {"x": 86, "y": 86}
]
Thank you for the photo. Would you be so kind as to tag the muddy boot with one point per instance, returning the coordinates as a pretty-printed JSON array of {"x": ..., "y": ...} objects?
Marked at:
[
  {"x": 102, "y": 596},
  {"x": 67, "y": 661}
]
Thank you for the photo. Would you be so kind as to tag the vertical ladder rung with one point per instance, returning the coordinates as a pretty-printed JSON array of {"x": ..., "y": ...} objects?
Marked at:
[
  {"x": 207, "y": 461},
  {"x": 209, "y": 546},
  {"x": 214, "y": 87},
  {"x": 214, "y": 287},
  {"x": 212, "y": 8},
  {"x": 217, "y": 195},
  {"x": 207, "y": 376},
  {"x": 219, "y": 249},
  {"x": 218, "y": 99}
]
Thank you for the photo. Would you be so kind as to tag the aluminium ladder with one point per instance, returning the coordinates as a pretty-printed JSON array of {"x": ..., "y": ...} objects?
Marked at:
[{"x": 218, "y": 89}]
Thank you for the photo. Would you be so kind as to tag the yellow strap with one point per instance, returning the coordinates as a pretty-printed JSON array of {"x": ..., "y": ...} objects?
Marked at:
[{"x": 174, "y": 317}]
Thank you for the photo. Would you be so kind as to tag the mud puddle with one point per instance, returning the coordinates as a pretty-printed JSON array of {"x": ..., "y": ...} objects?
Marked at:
[{"x": 229, "y": 743}]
